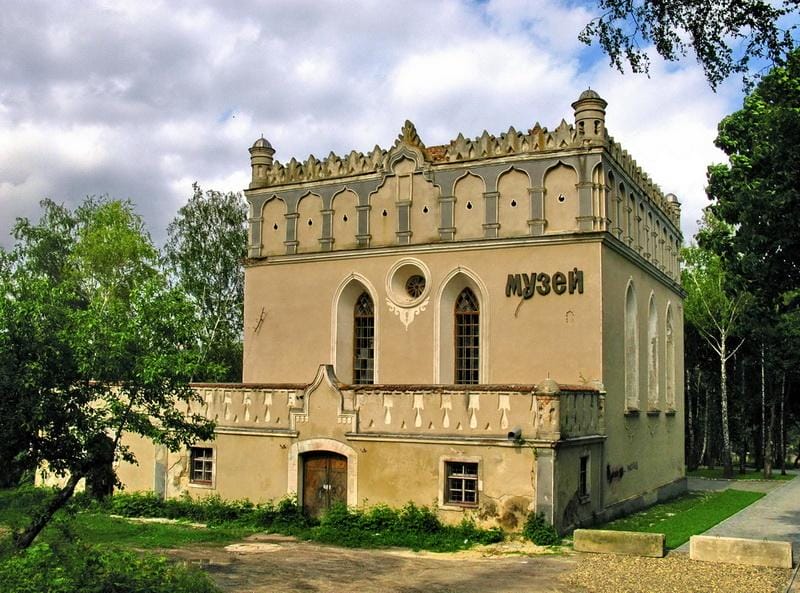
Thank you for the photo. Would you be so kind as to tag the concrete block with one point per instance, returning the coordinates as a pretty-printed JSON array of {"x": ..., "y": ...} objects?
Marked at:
[
  {"x": 735, "y": 550},
  {"x": 619, "y": 542}
]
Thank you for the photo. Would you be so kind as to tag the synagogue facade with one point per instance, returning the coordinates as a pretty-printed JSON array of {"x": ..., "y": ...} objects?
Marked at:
[{"x": 487, "y": 327}]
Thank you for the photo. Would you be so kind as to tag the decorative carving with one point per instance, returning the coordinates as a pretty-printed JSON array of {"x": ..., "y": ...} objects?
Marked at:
[
  {"x": 408, "y": 136},
  {"x": 504, "y": 405},
  {"x": 407, "y": 314},
  {"x": 418, "y": 407},
  {"x": 388, "y": 404}
]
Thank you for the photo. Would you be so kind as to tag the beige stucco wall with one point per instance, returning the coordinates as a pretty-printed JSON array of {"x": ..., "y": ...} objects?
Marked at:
[
  {"x": 547, "y": 334},
  {"x": 648, "y": 446}
]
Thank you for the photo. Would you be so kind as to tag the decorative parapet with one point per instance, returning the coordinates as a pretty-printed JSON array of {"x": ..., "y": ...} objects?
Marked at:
[
  {"x": 485, "y": 146},
  {"x": 629, "y": 165},
  {"x": 542, "y": 412}
]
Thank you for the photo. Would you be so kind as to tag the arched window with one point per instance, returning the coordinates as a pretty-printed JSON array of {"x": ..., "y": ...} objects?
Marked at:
[
  {"x": 467, "y": 338},
  {"x": 363, "y": 340},
  {"x": 631, "y": 351}
]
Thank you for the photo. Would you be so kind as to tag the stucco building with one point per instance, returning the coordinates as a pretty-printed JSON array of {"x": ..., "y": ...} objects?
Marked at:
[{"x": 490, "y": 326}]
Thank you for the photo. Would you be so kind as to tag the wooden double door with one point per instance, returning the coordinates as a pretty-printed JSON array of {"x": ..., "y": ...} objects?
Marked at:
[{"x": 324, "y": 481}]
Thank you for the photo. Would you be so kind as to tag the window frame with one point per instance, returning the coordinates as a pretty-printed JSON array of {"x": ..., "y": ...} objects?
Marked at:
[
  {"x": 360, "y": 326},
  {"x": 208, "y": 458},
  {"x": 446, "y": 464},
  {"x": 467, "y": 326}
]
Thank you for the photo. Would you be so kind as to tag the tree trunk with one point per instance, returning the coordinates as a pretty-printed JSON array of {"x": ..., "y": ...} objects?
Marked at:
[
  {"x": 743, "y": 422},
  {"x": 41, "y": 519},
  {"x": 702, "y": 459},
  {"x": 769, "y": 455},
  {"x": 783, "y": 427},
  {"x": 727, "y": 465},
  {"x": 690, "y": 461},
  {"x": 763, "y": 414}
]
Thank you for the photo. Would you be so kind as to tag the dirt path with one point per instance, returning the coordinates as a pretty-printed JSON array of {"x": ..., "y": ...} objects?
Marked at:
[{"x": 275, "y": 564}]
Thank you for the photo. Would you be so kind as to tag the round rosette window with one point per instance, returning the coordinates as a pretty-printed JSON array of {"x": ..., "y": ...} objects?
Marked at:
[{"x": 407, "y": 283}]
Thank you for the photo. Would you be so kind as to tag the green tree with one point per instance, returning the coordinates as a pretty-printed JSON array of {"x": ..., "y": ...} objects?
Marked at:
[
  {"x": 757, "y": 194},
  {"x": 715, "y": 314},
  {"x": 758, "y": 190},
  {"x": 726, "y": 37},
  {"x": 206, "y": 246},
  {"x": 95, "y": 344}
]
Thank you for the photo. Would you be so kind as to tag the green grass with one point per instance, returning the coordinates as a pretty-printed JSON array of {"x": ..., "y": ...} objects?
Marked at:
[
  {"x": 687, "y": 515},
  {"x": 716, "y": 474},
  {"x": 102, "y": 529}
]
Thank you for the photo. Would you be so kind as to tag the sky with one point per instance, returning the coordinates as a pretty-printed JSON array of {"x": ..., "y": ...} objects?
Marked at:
[{"x": 138, "y": 100}]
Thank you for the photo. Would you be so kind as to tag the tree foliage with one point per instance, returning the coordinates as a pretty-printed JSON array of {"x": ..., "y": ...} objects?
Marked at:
[
  {"x": 726, "y": 37},
  {"x": 93, "y": 344},
  {"x": 206, "y": 246},
  {"x": 758, "y": 191}
]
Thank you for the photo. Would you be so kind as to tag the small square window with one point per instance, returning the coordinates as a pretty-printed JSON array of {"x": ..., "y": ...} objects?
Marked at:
[
  {"x": 201, "y": 464},
  {"x": 583, "y": 480},
  {"x": 461, "y": 486}
]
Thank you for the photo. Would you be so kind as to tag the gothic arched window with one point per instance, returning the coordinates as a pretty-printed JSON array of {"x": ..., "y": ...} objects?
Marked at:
[
  {"x": 467, "y": 338},
  {"x": 363, "y": 340}
]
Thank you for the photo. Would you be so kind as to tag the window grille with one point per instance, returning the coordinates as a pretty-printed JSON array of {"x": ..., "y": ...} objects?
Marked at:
[
  {"x": 202, "y": 465},
  {"x": 462, "y": 483},
  {"x": 467, "y": 338},
  {"x": 364, "y": 340}
]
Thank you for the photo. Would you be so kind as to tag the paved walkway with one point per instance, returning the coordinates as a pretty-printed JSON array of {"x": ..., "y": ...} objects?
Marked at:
[{"x": 776, "y": 516}]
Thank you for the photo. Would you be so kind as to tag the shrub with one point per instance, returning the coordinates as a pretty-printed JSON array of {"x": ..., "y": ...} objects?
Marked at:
[
  {"x": 539, "y": 531},
  {"x": 70, "y": 567},
  {"x": 136, "y": 504}
]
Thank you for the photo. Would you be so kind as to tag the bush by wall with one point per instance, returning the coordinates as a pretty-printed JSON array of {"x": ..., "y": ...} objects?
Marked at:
[
  {"x": 539, "y": 531},
  {"x": 412, "y": 526}
]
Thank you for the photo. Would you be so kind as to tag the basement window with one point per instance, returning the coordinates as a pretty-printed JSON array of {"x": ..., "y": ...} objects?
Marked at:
[{"x": 583, "y": 480}]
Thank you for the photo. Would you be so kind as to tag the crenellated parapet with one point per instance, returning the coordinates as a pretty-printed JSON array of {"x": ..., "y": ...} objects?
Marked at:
[
  {"x": 631, "y": 168},
  {"x": 354, "y": 164},
  {"x": 517, "y": 184}
]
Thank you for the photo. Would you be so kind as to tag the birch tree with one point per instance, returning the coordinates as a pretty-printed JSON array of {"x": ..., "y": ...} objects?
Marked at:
[{"x": 715, "y": 314}]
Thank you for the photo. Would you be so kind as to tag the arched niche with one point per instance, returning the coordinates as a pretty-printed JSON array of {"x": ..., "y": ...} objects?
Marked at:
[
  {"x": 383, "y": 213},
  {"x": 424, "y": 211},
  {"x": 652, "y": 355},
  {"x": 343, "y": 326},
  {"x": 669, "y": 366},
  {"x": 469, "y": 208},
  {"x": 273, "y": 227},
  {"x": 513, "y": 203},
  {"x": 444, "y": 323},
  {"x": 561, "y": 206},
  {"x": 345, "y": 220},
  {"x": 309, "y": 223},
  {"x": 631, "y": 344}
]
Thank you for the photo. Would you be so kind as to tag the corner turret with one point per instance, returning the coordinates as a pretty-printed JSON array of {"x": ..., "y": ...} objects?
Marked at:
[
  {"x": 260, "y": 161},
  {"x": 590, "y": 116}
]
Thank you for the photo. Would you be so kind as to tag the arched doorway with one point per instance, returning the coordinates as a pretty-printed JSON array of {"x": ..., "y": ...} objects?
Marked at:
[{"x": 324, "y": 481}]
